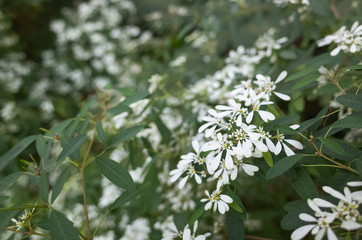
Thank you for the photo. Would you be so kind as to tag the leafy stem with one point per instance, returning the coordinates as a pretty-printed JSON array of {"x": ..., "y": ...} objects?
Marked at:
[
  {"x": 85, "y": 206},
  {"x": 320, "y": 154}
]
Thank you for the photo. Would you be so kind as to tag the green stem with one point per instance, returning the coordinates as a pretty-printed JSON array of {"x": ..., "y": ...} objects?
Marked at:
[
  {"x": 320, "y": 165},
  {"x": 28, "y": 233},
  {"x": 85, "y": 206},
  {"x": 22, "y": 207}
]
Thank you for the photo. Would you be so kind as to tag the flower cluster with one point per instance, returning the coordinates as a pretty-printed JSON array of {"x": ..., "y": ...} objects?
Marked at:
[
  {"x": 171, "y": 232},
  {"x": 285, "y": 2},
  {"x": 345, "y": 214},
  {"x": 234, "y": 139},
  {"x": 24, "y": 220},
  {"x": 348, "y": 41}
]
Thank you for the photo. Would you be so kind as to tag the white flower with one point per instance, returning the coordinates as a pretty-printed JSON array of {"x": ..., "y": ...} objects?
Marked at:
[
  {"x": 212, "y": 123},
  {"x": 267, "y": 86},
  {"x": 187, "y": 233},
  {"x": 320, "y": 224},
  {"x": 265, "y": 115},
  {"x": 281, "y": 143},
  {"x": 222, "y": 144},
  {"x": 347, "y": 41},
  {"x": 217, "y": 201}
]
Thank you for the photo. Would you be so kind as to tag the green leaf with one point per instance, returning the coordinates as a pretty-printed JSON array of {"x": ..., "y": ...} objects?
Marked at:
[
  {"x": 314, "y": 121},
  {"x": 124, "y": 134},
  {"x": 292, "y": 221},
  {"x": 165, "y": 132},
  {"x": 44, "y": 187},
  {"x": 123, "y": 106},
  {"x": 268, "y": 158},
  {"x": 351, "y": 100},
  {"x": 5, "y": 218},
  {"x": 301, "y": 73},
  {"x": 196, "y": 215},
  {"x": 320, "y": 7},
  {"x": 236, "y": 207},
  {"x": 126, "y": 197},
  {"x": 234, "y": 226},
  {"x": 238, "y": 202},
  {"x": 353, "y": 67},
  {"x": 180, "y": 221},
  {"x": 58, "y": 186},
  {"x": 61, "y": 228},
  {"x": 41, "y": 146},
  {"x": 9, "y": 179},
  {"x": 71, "y": 146},
  {"x": 304, "y": 185},
  {"x": 351, "y": 121},
  {"x": 283, "y": 165},
  {"x": 332, "y": 145},
  {"x": 341, "y": 178},
  {"x": 306, "y": 80},
  {"x": 85, "y": 108},
  {"x": 358, "y": 167},
  {"x": 115, "y": 173},
  {"x": 15, "y": 151},
  {"x": 100, "y": 132},
  {"x": 59, "y": 128},
  {"x": 71, "y": 129},
  {"x": 84, "y": 126}
]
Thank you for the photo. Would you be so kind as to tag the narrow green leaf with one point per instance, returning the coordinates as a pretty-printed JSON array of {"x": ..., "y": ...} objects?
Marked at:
[
  {"x": 59, "y": 128},
  {"x": 306, "y": 80},
  {"x": 236, "y": 207},
  {"x": 124, "y": 134},
  {"x": 71, "y": 129},
  {"x": 58, "y": 186},
  {"x": 85, "y": 108},
  {"x": 61, "y": 228},
  {"x": 301, "y": 73},
  {"x": 72, "y": 146},
  {"x": 288, "y": 54},
  {"x": 268, "y": 158},
  {"x": 351, "y": 100},
  {"x": 292, "y": 221},
  {"x": 100, "y": 132},
  {"x": 126, "y": 197},
  {"x": 84, "y": 126},
  {"x": 196, "y": 215},
  {"x": 43, "y": 187},
  {"x": 238, "y": 202},
  {"x": 283, "y": 165},
  {"x": 234, "y": 226},
  {"x": 40, "y": 146},
  {"x": 15, "y": 151},
  {"x": 119, "y": 109},
  {"x": 8, "y": 180},
  {"x": 304, "y": 185},
  {"x": 115, "y": 173},
  {"x": 349, "y": 122},
  {"x": 332, "y": 145},
  {"x": 354, "y": 67},
  {"x": 165, "y": 132}
]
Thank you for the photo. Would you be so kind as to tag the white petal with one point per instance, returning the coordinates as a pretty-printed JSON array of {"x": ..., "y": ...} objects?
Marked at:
[
  {"x": 204, "y": 126},
  {"x": 301, "y": 232},
  {"x": 294, "y": 143},
  {"x": 261, "y": 146},
  {"x": 355, "y": 184},
  {"x": 334, "y": 193},
  {"x": 270, "y": 144},
  {"x": 282, "y": 96},
  {"x": 287, "y": 150},
  {"x": 331, "y": 235},
  {"x": 183, "y": 182},
  {"x": 266, "y": 116},
  {"x": 221, "y": 207},
  {"x": 320, "y": 234},
  {"x": 335, "y": 51},
  {"x": 196, "y": 146},
  {"x": 186, "y": 234},
  {"x": 228, "y": 161},
  {"x": 351, "y": 225},
  {"x": 357, "y": 196},
  {"x": 294, "y": 126},
  {"x": 313, "y": 206},
  {"x": 215, "y": 162},
  {"x": 307, "y": 218},
  {"x": 323, "y": 203},
  {"x": 208, "y": 206},
  {"x": 226, "y": 198},
  {"x": 281, "y": 76},
  {"x": 210, "y": 131},
  {"x": 208, "y": 146},
  {"x": 198, "y": 179},
  {"x": 249, "y": 117},
  {"x": 278, "y": 148}
]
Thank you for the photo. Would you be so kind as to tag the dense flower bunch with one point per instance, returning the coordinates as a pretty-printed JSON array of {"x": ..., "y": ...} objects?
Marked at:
[
  {"x": 234, "y": 139},
  {"x": 90, "y": 41},
  {"x": 348, "y": 41},
  {"x": 344, "y": 215}
]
